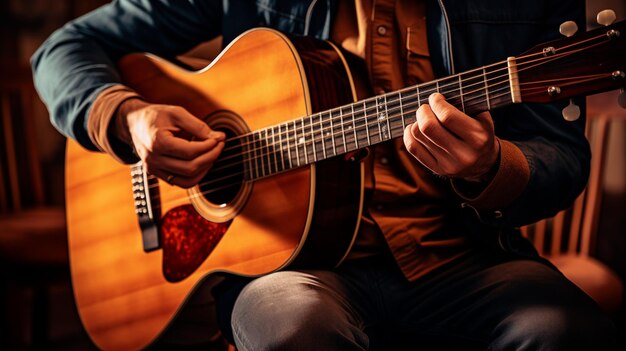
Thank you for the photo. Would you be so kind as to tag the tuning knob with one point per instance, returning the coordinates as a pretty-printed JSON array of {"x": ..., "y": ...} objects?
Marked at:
[
  {"x": 568, "y": 28},
  {"x": 606, "y": 17},
  {"x": 621, "y": 99},
  {"x": 571, "y": 112}
]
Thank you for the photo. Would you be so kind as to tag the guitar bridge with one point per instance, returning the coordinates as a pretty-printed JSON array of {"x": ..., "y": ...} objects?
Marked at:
[{"x": 144, "y": 190}]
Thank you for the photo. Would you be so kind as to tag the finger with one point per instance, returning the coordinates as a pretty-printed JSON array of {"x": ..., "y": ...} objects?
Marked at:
[
  {"x": 190, "y": 169},
  {"x": 430, "y": 127},
  {"x": 166, "y": 143},
  {"x": 194, "y": 126},
  {"x": 457, "y": 122},
  {"x": 174, "y": 178},
  {"x": 418, "y": 149}
]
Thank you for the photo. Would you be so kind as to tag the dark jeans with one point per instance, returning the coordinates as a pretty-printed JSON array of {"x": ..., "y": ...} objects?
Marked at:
[{"x": 483, "y": 301}]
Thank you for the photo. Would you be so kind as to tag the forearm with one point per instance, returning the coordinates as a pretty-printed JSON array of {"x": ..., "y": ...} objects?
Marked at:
[{"x": 77, "y": 63}]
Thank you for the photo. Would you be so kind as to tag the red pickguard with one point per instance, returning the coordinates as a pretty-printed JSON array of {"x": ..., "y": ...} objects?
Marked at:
[{"x": 188, "y": 239}]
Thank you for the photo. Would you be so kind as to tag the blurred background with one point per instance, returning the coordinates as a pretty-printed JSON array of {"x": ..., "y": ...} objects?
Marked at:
[{"x": 36, "y": 306}]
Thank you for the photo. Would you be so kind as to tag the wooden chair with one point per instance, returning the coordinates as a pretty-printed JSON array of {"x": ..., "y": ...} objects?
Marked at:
[
  {"x": 33, "y": 244},
  {"x": 568, "y": 239}
]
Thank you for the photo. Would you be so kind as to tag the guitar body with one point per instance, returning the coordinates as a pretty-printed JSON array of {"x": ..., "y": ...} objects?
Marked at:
[
  {"x": 306, "y": 217},
  {"x": 285, "y": 192}
]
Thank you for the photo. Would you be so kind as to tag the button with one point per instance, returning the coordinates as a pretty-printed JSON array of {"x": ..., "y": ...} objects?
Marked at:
[
  {"x": 382, "y": 30},
  {"x": 384, "y": 160}
]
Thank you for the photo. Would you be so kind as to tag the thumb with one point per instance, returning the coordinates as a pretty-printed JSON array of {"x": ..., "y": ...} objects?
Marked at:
[{"x": 196, "y": 127}]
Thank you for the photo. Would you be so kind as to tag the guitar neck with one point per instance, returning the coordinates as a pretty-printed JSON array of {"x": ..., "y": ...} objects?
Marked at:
[{"x": 367, "y": 122}]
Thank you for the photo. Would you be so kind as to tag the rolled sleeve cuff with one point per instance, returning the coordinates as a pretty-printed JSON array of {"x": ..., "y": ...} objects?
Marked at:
[
  {"x": 100, "y": 117},
  {"x": 507, "y": 185}
]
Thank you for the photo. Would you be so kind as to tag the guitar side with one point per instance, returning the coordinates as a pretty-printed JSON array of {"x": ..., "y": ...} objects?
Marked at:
[{"x": 124, "y": 299}]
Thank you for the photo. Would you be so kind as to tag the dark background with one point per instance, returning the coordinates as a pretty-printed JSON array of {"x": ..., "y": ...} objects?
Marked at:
[{"x": 24, "y": 24}]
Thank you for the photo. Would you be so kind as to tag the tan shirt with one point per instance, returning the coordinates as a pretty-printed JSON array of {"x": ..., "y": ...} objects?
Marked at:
[{"x": 409, "y": 211}]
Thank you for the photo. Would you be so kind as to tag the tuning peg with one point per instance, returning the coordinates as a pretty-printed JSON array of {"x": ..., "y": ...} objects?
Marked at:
[
  {"x": 568, "y": 28},
  {"x": 621, "y": 99},
  {"x": 571, "y": 112},
  {"x": 606, "y": 17}
]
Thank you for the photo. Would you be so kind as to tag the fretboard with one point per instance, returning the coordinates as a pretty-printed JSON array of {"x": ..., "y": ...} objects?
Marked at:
[{"x": 368, "y": 122}]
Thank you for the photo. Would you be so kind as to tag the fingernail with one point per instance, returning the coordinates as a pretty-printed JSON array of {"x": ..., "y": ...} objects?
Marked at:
[{"x": 217, "y": 135}]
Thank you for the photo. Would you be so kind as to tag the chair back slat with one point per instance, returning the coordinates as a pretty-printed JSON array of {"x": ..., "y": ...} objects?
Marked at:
[
  {"x": 21, "y": 179},
  {"x": 572, "y": 230},
  {"x": 12, "y": 183},
  {"x": 599, "y": 142}
]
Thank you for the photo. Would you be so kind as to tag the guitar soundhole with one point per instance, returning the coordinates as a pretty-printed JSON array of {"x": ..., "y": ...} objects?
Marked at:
[{"x": 224, "y": 181}]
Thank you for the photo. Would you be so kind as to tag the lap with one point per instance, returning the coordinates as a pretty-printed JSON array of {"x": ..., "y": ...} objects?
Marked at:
[{"x": 475, "y": 302}]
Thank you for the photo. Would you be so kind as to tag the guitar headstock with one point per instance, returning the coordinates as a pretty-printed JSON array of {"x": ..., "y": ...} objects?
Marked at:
[{"x": 581, "y": 64}]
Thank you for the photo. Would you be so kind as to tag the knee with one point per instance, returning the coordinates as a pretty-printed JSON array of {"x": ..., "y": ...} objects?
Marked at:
[
  {"x": 556, "y": 328},
  {"x": 289, "y": 310}
]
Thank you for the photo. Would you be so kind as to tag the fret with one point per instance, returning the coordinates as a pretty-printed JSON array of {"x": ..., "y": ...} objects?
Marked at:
[
  {"x": 449, "y": 88},
  {"x": 343, "y": 131},
  {"x": 265, "y": 152},
  {"x": 271, "y": 152},
  {"x": 286, "y": 133},
  {"x": 387, "y": 118},
  {"x": 401, "y": 109},
  {"x": 323, "y": 137},
  {"x": 255, "y": 158},
  {"x": 296, "y": 142},
  {"x": 498, "y": 86},
  {"x": 367, "y": 129},
  {"x": 278, "y": 151},
  {"x": 461, "y": 94},
  {"x": 419, "y": 101},
  {"x": 356, "y": 139},
  {"x": 268, "y": 151},
  {"x": 332, "y": 131},
  {"x": 248, "y": 152},
  {"x": 315, "y": 137},
  {"x": 258, "y": 155},
  {"x": 275, "y": 151},
  {"x": 474, "y": 92},
  {"x": 395, "y": 121},
  {"x": 302, "y": 140},
  {"x": 486, "y": 89},
  {"x": 314, "y": 155},
  {"x": 377, "y": 120}
]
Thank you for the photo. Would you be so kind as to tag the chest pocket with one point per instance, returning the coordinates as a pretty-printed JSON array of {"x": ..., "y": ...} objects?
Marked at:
[{"x": 418, "y": 66}]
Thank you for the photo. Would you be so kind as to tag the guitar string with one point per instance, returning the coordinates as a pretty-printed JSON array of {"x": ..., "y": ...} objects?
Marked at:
[
  {"x": 217, "y": 180},
  {"x": 203, "y": 193},
  {"x": 408, "y": 109},
  {"x": 366, "y": 111},
  {"x": 184, "y": 199},
  {"x": 377, "y": 122},
  {"x": 323, "y": 139},
  {"x": 544, "y": 58}
]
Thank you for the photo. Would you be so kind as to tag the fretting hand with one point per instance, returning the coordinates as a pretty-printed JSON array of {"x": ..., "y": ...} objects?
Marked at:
[
  {"x": 173, "y": 144},
  {"x": 451, "y": 143}
]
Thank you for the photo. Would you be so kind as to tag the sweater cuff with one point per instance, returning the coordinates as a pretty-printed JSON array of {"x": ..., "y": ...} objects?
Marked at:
[
  {"x": 101, "y": 115},
  {"x": 507, "y": 185}
]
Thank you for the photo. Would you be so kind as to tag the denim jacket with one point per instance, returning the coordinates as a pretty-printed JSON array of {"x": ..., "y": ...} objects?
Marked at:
[{"x": 78, "y": 61}]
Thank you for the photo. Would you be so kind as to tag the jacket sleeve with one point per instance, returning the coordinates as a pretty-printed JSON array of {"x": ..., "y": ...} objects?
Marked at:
[
  {"x": 545, "y": 159},
  {"x": 77, "y": 62}
]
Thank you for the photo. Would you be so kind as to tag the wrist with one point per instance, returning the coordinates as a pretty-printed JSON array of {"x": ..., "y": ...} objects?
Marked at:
[
  {"x": 120, "y": 129},
  {"x": 491, "y": 167}
]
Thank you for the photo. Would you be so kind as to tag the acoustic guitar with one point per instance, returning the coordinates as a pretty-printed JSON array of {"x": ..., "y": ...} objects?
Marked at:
[{"x": 288, "y": 188}]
